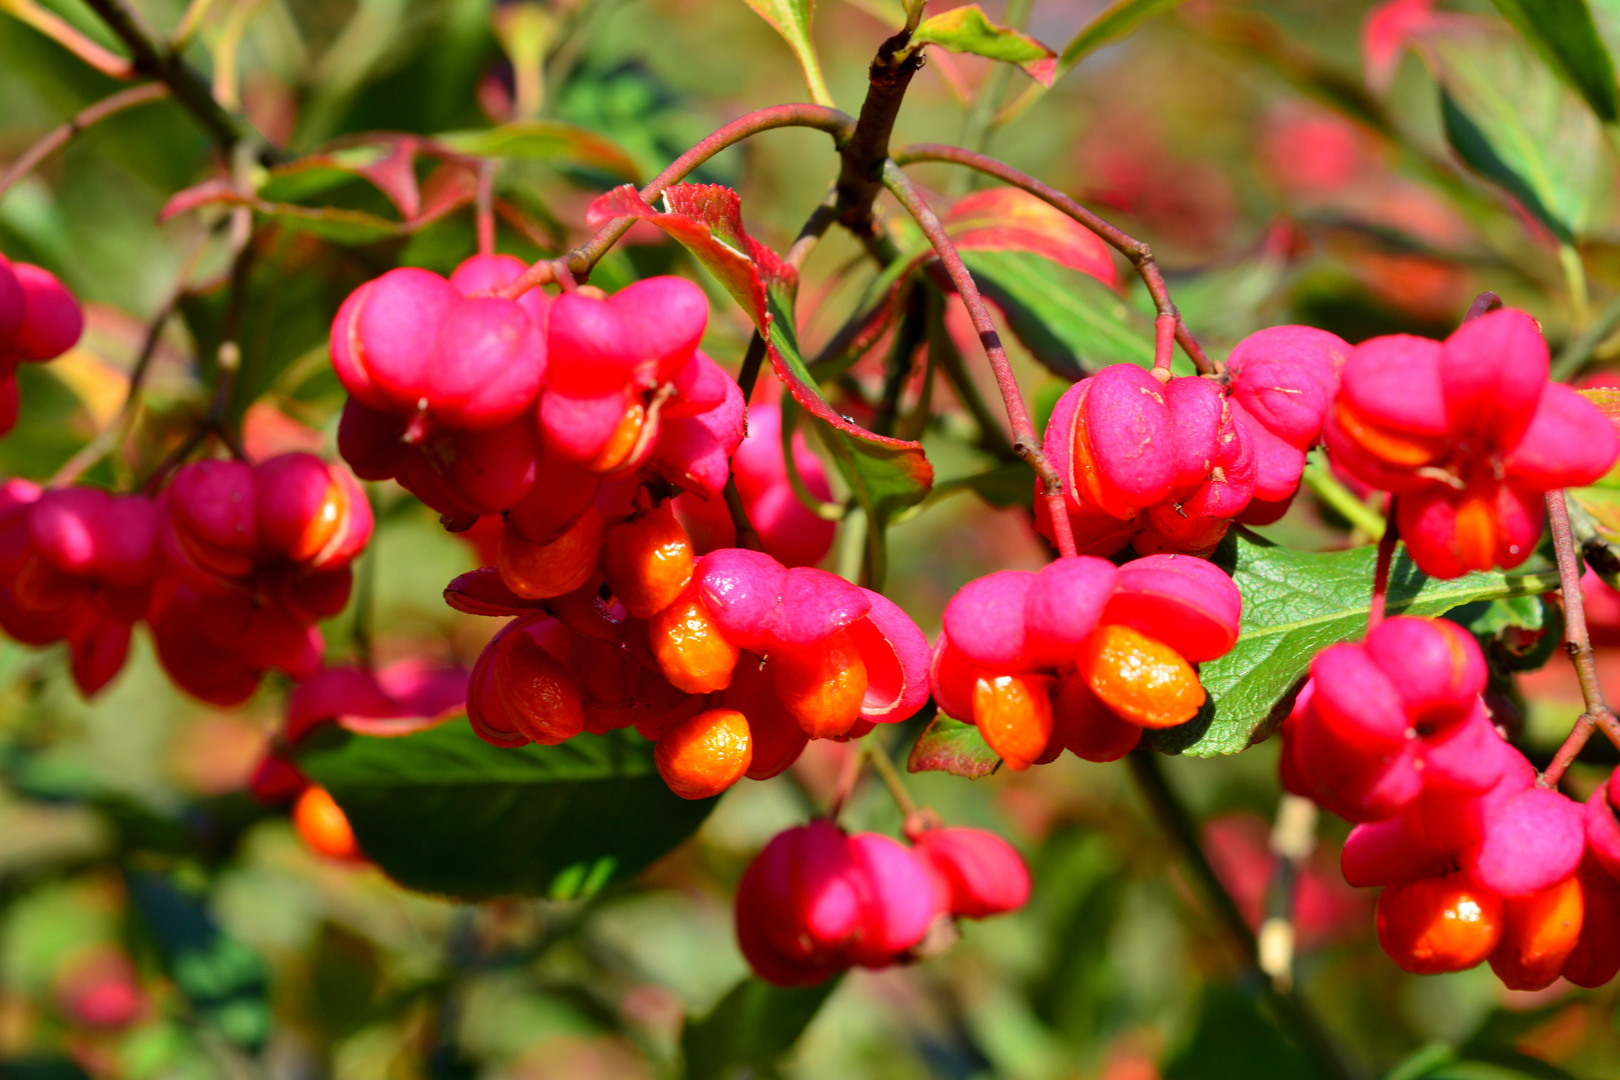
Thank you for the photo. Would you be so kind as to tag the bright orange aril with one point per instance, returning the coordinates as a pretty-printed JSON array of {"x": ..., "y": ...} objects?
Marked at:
[
  {"x": 1435, "y": 925},
  {"x": 705, "y": 754},
  {"x": 324, "y": 826},
  {"x": 822, "y": 685},
  {"x": 647, "y": 561},
  {"x": 1143, "y": 680},
  {"x": 691, "y": 652},
  {"x": 1014, "y": 715}
]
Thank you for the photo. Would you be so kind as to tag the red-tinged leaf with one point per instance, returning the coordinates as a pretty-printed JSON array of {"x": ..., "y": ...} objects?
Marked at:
[
  {"x": 388, "y": 163},
  {"x": 448, "y": 187},
  {"x": 333, "y": 223},
  {"x": 544, "y": 140},
  {"x": 1386, "y": 33},
  {"x": 885, "y": 474},
  {"x": 403, "y": 698},
  {"x": 203, "y": 194},
  {"x": 968, "y": 30},
  {"x": 707, "y": 220},
  {"x": 950, "y": 746},
  {"x": 1009, "y": 219},
  {"x": 395, "y": 176}
]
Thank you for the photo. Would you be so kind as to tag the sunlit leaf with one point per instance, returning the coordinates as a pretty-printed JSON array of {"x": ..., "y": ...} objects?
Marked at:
[
  {"x": 968, "y": 29},
  {"x": 1565, "y": 35},
  {"x": 1111, "y": 24},
  {"x": 1295, "y": 604},
  {"x": 793, "y": 19},
  {"x": 1070, "y": 322},
  {"x": 1516, "y": 124},
  {"x": 950, "y": 746},
  {"x": 1011, "y": 219},
  {"x": 544, "y": 140}
]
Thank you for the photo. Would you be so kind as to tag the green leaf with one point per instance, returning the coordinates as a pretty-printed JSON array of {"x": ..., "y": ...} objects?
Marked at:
[
  {"x": 1565, "y": 35},
  {"x": 545, "y": 140},
  {"x": 754, "y": 1025},
  {"x": 1070, "y": 322},
  {"x": 950, "y": 746},
  {"x": 225, "y": 981},
  {"x": 968, "y": 29},
  {"x": 442, "y": 811},
  {"x": 1111, "y": 24},
  {"x": 1010, "y": 484},
  {"x": 1515, "y": 124},
  {"x": 1234, "y": 1040},
  {"x": 1295, "y": 604},
  {"x": 792, "y": 19}
]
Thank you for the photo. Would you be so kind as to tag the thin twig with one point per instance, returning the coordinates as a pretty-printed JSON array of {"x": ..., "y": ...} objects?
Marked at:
[
  {"x": 1575, "y": 353},
  {"x": 1293, "y": 838},
  {"x": 485, "y": 207},
  {"x": 1386, "y": 559},
  {"x": 60, "y": 137},
  {"x": 68, "y": 36},
  {"x": 1138, "y": 253},
  {"x": 892, "y": 780},
  {"x": 1025, "y": 441},
  {"x": 1578, "y": 643},
  {"x": 165, "y": 65},
  {"x": 1325, "y": 486}
]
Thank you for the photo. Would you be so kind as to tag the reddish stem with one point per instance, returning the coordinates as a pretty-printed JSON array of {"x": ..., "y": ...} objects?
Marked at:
[
  {"x": 1386, "y": 559},
  {"x": 1139, "y": 254},
  {"x": 485, "y": 207},
  {"x": 1025, "y": 442},
  {"x": 107, "y": 106},
  {"x": 1578, "y": 643},
  {"x": 580, "y": 260},
  {"x": 66, "y": 35}
]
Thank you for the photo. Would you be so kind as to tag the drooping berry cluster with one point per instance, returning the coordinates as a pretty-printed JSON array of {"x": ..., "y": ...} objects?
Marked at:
[
  {"x": 39, "y": 320},
  {"x": 1478, "y": 863},
  {"x": 731, "y": 662},
  {"x": 232, "y": 565},
  {"x": 1166, "y": 467},
  {"x": 1468, "y": 434},
  {"x": 77, "y": 565},
  {"x": 818, "y": 900},
  {"x": 1082, "y": 655}
]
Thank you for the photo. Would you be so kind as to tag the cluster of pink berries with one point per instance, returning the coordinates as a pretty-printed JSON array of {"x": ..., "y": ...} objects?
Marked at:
[
  {"x": 1167, "y": 466},
  {"x": 1467, "y": 434},
  {"x": 730, "y": 662},
  {"x": 817, "y": 900},
  {"x": 1477, "y": 861},
  {"x": 548, "y": 411},
  {"x": 232, "y": 565},
  {"x": 39, "y": 320},
  {"x": 1082, "y": 655}
]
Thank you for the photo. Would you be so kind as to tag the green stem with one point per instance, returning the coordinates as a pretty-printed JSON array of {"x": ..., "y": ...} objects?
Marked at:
[
  {"x": 1325, "y": 486},
  {"x": 1580, "y": 305},
  {"x": 1578, "y": 351}
]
